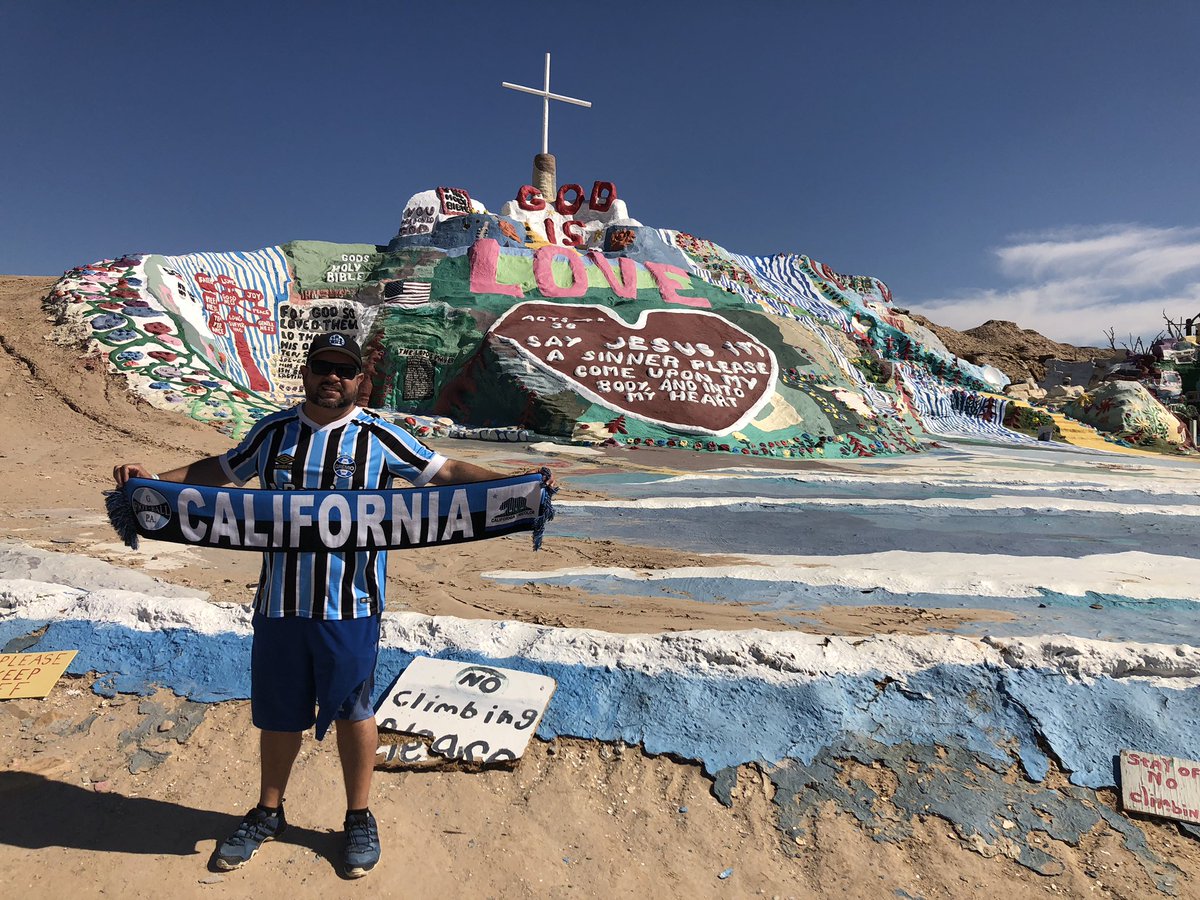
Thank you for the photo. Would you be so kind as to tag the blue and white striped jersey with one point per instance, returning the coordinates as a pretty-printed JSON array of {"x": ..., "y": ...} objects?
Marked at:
[{"x": 360, "y": 451}]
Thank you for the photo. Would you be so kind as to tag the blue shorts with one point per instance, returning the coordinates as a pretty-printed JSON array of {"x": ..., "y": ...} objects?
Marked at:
[{"x": 312, "y": 671}]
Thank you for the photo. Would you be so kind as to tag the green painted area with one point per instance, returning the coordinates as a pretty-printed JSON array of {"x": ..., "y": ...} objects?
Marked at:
[
  {"x": 319, "y": 264},
  {"x": 434, "y": 361},
  {"x": 1030, "y": 421},
  {"x": 1127, "y": 412},
  {"x": 422, "y": 349}
]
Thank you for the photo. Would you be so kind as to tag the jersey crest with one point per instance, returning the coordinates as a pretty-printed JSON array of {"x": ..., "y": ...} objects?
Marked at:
[{"x": 344, "y": 466}]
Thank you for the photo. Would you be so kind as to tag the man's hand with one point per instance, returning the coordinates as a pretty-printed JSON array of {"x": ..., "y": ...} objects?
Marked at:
[
  {"x": 123, "y": 472},
  {"x": 549, "y": 480},
  {"x": 208, "y": 471}
]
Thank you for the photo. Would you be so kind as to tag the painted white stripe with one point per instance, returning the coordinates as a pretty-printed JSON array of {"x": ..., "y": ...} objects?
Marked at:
[
  {"x": 1186, "y": 485},
  {"x": 933, "y": 403},
  {"x": 1134, "y": 574},
  {"x": 770, "y": 656},
  {"x": 782, "y": 275},
  {"x": 997, "y": 504}
]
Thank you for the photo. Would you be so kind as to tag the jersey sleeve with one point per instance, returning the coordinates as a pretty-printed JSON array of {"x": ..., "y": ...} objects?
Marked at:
[
  {"x": 241, "y": 463},
  {"x": 406, "y": 457}
]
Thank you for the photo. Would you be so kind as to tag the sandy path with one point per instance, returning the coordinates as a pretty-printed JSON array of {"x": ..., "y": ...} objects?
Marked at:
[{"x": 575, "y": 819}]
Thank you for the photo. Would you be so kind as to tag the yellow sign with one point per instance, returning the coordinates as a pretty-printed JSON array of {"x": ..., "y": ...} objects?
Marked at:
[{"x": 31, "y": 674}]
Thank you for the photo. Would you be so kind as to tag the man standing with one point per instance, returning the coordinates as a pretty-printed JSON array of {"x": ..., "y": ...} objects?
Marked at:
[{"x": 316, "y": 615}]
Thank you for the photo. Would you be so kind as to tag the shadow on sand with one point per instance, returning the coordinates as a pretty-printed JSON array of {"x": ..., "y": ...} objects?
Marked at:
[{"x": 45, "y": 813}]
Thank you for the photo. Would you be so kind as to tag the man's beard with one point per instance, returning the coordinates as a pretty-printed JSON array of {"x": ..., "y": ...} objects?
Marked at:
[{"x": 343, "y": 401}]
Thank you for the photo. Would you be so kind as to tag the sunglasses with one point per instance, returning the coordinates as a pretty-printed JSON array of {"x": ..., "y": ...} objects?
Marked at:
[{"x": 322, "y": 367}]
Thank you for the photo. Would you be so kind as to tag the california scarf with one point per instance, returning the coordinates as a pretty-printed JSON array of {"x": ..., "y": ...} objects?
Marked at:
[{"x": 329, "y": 521}]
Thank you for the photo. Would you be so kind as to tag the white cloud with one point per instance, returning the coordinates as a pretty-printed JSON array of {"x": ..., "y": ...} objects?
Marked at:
[{"x": 1072, "y": 284}]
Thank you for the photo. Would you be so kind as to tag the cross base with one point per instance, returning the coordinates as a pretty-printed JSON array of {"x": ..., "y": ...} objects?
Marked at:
[{"x": 545, "y": 174}]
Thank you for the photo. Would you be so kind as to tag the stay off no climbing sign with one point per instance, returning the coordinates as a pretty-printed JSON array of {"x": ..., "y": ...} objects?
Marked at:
[{"x": 1160, "y": 785}]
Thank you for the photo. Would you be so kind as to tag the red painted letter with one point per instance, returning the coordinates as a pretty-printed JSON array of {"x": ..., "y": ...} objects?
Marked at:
[
  {"x": 603, "y": 195},
  {"x": 569, "y": 209},
  {"x": 530, "y": 198},
  {"x": 573, "y": 233}
]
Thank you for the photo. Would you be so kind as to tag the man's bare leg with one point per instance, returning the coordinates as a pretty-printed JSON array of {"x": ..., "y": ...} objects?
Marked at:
[
  {"x": 357, "y": 743},
  {"x": 278, "y": 750}
]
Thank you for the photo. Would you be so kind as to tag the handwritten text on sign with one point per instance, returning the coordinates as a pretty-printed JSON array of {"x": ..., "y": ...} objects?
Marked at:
[
  {"x": 477, "y": 714},
  {"x": 693, "y": 371},
  {"x": 31, "y": 674},
  {"x": 1160, "y": 785}
]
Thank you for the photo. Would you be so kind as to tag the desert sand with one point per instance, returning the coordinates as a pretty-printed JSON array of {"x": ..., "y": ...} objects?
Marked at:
[{"x": 128, "y": 796}]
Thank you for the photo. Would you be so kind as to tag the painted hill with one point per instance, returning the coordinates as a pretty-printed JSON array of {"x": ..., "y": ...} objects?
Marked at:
[{"x": 567, "y": 320}]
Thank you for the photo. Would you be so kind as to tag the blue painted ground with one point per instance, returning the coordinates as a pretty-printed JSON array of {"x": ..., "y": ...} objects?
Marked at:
[
  {"x": 836, "y": 527},
  {"x": 829, "y": 531},
  {"x": 941, "y": 730},
  {"x": 1003, "y": 714},
  {"x": 1157, "y": 620}
]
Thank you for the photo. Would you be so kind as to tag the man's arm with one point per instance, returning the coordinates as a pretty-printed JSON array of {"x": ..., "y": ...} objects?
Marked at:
[
  {"x": 207, "y": 471},
  {"x": 457, "y": 471}
]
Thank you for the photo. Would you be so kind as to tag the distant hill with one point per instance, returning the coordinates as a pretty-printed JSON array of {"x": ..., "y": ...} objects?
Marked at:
[{"x": 1018, "y": 352}]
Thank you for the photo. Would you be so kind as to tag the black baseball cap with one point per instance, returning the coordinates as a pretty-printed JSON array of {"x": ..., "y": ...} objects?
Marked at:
[{"x": 335, "y": 342}]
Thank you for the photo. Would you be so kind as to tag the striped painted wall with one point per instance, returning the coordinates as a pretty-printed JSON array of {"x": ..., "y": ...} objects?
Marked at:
[
  {"x": 935, "y": 404},
  {"x": 238, "y": 295}
]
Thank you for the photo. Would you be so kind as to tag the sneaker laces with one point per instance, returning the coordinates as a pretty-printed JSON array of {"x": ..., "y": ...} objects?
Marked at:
[
  {"x": 361, "y": 833},
  {"x": 253, "y": 828}
]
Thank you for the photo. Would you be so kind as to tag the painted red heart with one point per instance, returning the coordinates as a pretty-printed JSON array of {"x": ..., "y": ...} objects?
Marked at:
[{"x": 686, "y": 370}]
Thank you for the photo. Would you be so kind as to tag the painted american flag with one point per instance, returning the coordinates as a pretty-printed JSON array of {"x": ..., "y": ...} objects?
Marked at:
[{"x": 406, "y": 293}]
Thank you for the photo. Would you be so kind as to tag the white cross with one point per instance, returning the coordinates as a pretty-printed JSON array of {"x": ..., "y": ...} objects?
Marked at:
[{"x": 546, "y": 96}]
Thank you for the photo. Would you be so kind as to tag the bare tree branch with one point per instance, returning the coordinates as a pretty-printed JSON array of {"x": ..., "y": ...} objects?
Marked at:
[{"x": 1174, "y": 329}]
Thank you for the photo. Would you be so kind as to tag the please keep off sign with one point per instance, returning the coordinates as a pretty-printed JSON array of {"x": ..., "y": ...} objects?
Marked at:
[
  {"x": 1160, "y": 785},
  {"x": 31, "y": 674}
]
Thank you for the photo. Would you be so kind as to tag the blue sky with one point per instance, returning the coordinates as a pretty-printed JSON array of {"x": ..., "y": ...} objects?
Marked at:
[{"x": 1033, "y": 161}]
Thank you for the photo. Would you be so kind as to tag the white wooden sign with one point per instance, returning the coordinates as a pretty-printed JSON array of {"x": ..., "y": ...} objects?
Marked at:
[
  {"x": 476, "y": 714},
  {"x": 1160, "y": 785}
]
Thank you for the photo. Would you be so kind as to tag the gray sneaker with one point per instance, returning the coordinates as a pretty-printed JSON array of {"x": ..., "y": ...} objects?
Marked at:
[
  {"x": 256, "y": 829},
  {"x": 361, "y": 850}
]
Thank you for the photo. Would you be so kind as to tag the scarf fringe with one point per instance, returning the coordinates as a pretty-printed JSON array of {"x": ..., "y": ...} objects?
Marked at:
[
  {"x": 545, "y": 511},
  {"x": 121, "y": 518}
]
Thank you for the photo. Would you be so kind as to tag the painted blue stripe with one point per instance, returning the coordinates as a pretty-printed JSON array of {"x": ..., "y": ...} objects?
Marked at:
[
  {"x": 1159, "y": 620},
  {"x": 728, "y": 722}
]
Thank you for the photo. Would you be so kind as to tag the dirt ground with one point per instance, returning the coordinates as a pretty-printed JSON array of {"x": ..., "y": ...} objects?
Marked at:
[{"x": 128, "y": 796}]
